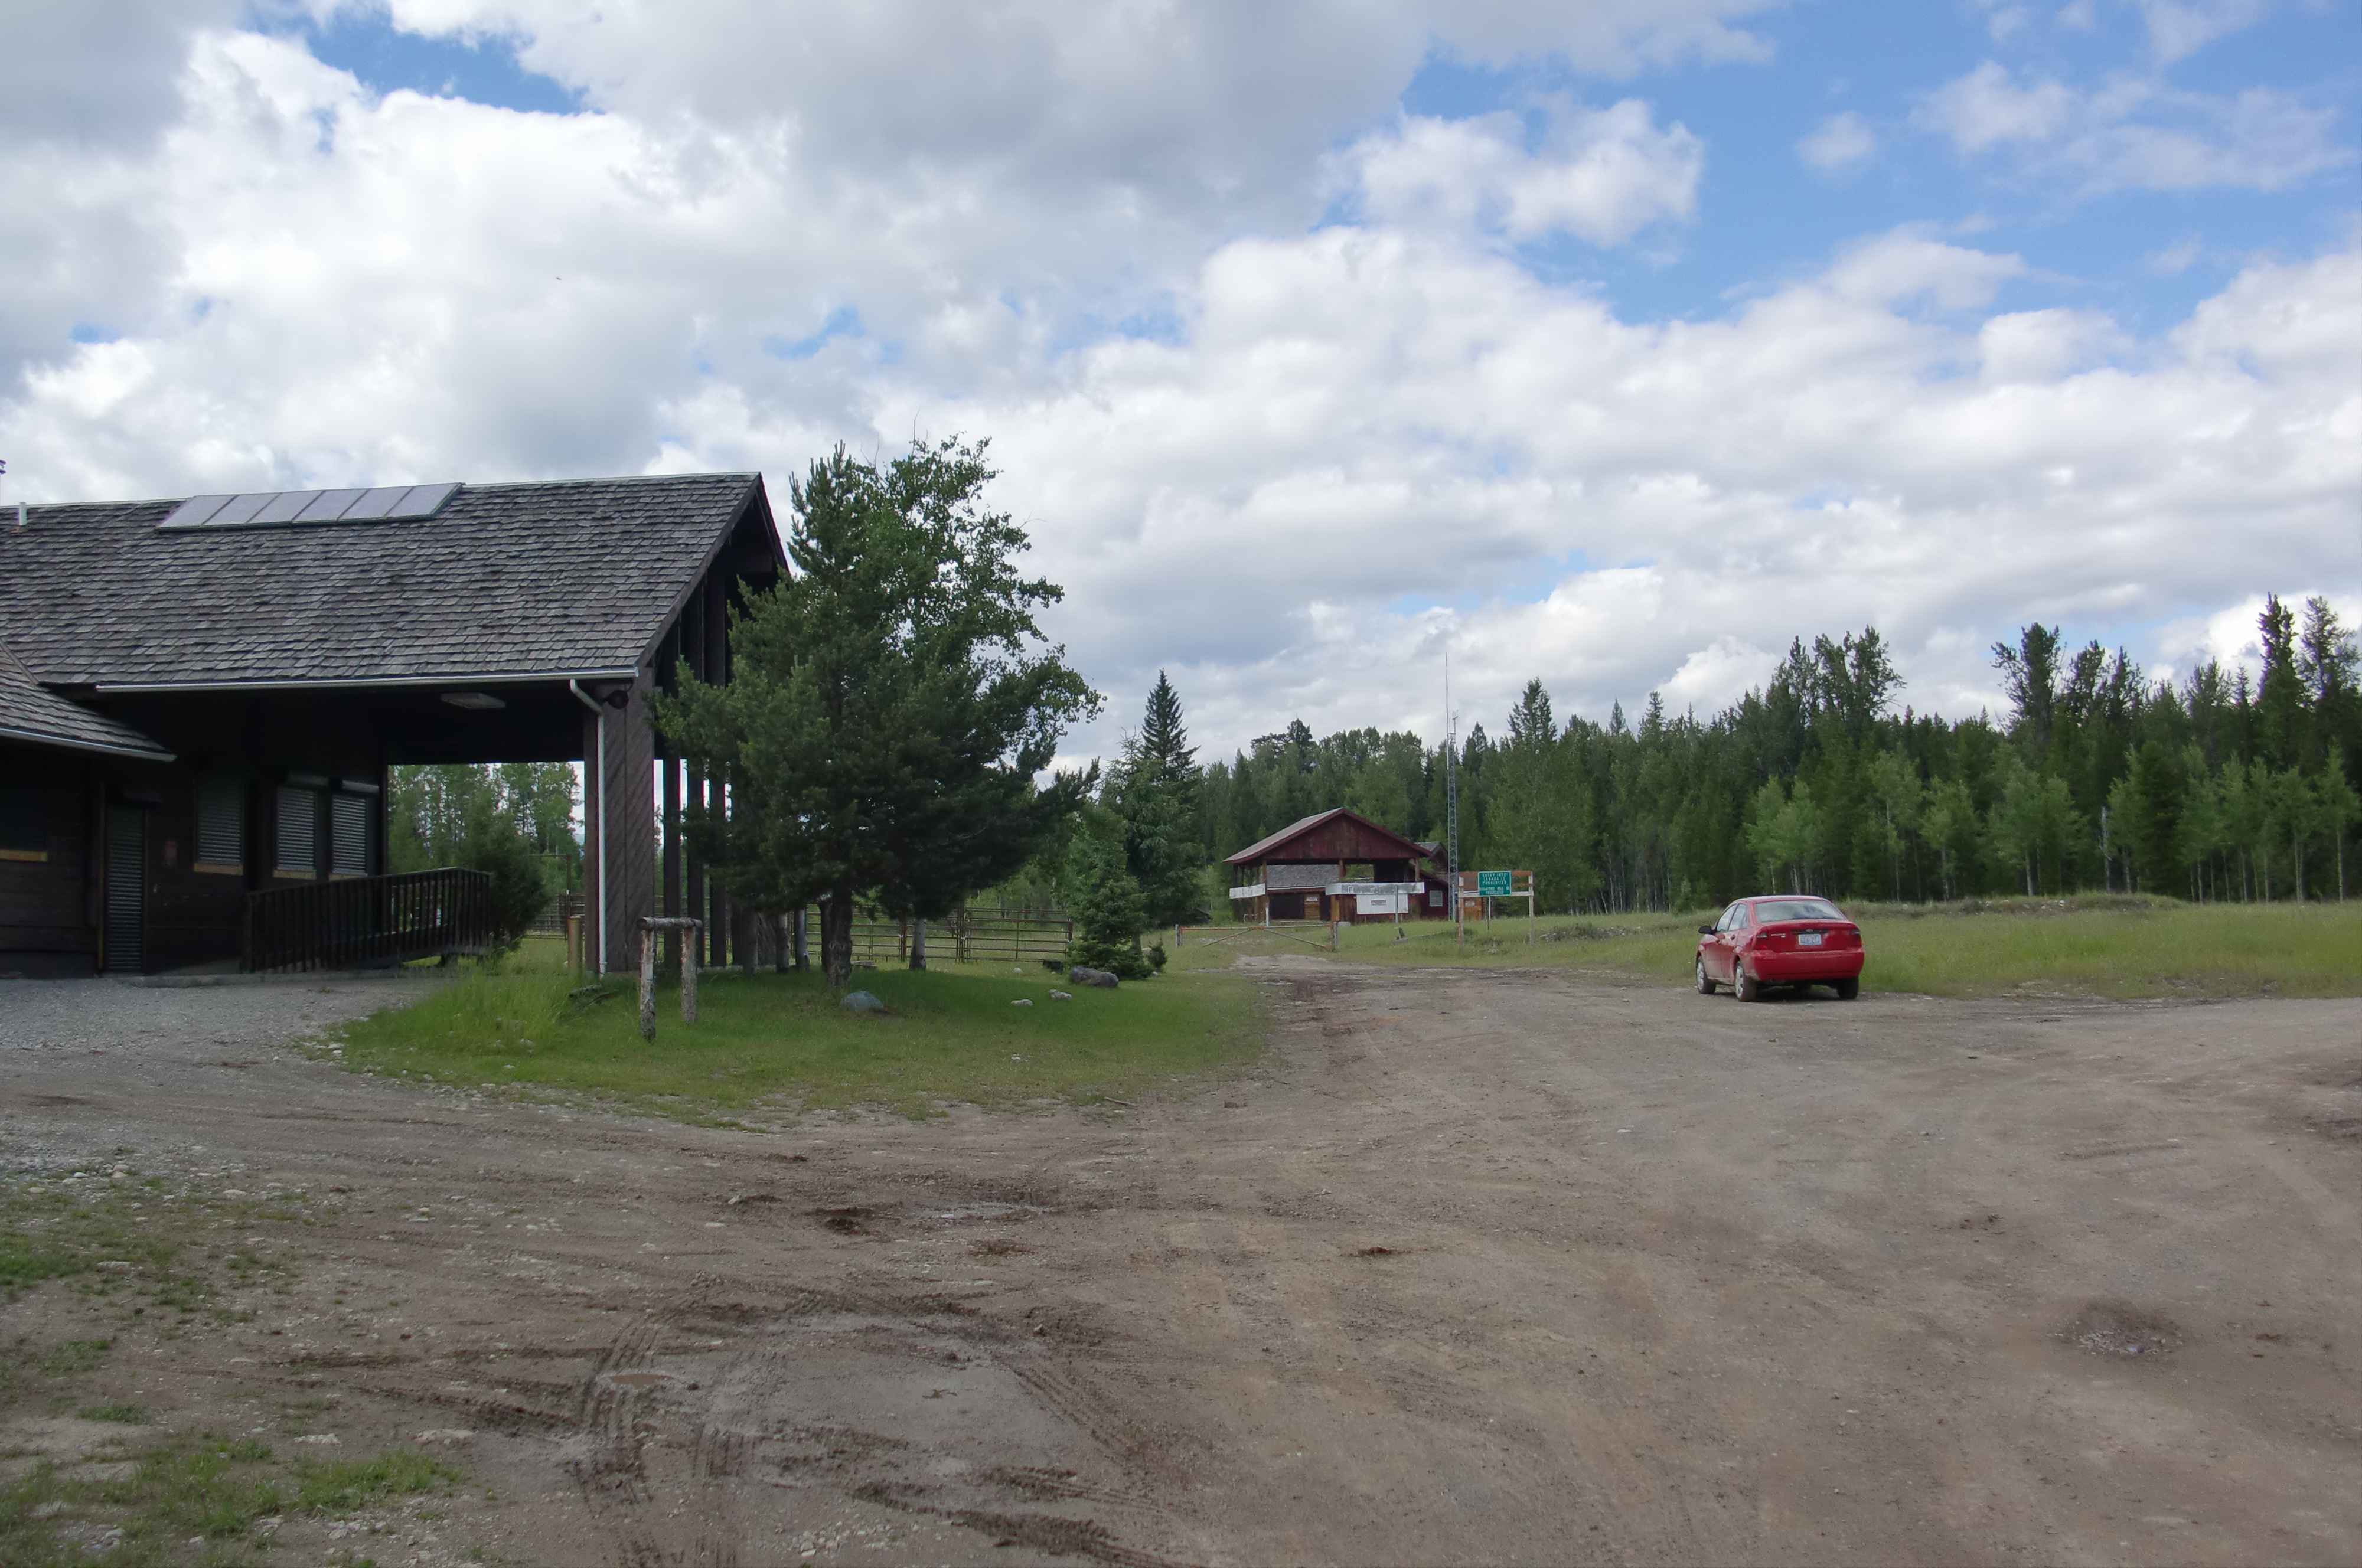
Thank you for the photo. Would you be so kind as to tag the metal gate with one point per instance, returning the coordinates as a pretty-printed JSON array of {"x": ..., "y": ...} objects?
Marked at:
[{"x": 126, "y": 888}]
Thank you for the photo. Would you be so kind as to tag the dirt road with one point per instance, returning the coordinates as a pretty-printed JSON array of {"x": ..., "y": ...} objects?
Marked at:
[{"x": 1472, "y": 1268}]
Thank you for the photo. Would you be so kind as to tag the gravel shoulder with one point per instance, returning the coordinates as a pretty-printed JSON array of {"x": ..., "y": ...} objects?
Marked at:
[{"x": 1469, "y": 1268}]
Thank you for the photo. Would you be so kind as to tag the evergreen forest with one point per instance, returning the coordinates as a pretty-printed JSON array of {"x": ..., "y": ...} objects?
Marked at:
[{"x": 2219, "y": 787}]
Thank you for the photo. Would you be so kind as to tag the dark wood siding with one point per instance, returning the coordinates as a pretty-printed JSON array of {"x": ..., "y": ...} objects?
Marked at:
[{"x": 46, "y": 925}]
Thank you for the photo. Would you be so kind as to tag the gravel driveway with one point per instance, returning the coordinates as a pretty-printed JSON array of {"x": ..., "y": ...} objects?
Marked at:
[
  {"x": 67, "y": 1043},
  {"x": 1467, "y": 1267}
]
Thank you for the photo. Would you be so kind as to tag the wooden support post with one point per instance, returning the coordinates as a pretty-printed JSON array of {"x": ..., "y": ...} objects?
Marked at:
[
  {"x": 652, "y": 930},
  {"x": 647, "y": 981},
  {"x": 693, "y": 877},
  {"x": 918, "y": 944},
  {"x": 714, "y": 621},
  {"x": 671, "y": 871}
]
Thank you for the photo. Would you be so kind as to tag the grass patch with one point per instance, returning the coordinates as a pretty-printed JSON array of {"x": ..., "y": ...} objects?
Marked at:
[
  {"x": 349, "y": 1485},
  {"x": 127, "y": 1415},
  {"x": 770, "y": 1039},
  {"x": 194, "y": 1500},
  {"x": 128, "y": 1244},
  {"x": 2095, "y": 944},
  {"x": 71, "y": 1358}
]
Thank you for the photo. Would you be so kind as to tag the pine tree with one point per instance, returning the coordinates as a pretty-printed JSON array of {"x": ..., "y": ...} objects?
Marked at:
[
  {"x": 890, "y": 706},
  {"x": 2029, "y": 674},
  {"x": 2279, "y": 691},
  {"x": 1105, "y": 902},
  {"x": 1164, "y": 739}
]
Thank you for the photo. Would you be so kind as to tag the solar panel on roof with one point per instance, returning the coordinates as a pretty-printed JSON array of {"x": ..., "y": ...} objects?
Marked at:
[
  {"x": 424, "y": 500},
  {"x": 241, "y": 509},
  {"x": 193, "y": 513},
  {"x": 330, "y": 505},
  {"x": 260, "y": 508},
  {"x": 282, "y": 507},
  {"x": 376, "y": 503}
]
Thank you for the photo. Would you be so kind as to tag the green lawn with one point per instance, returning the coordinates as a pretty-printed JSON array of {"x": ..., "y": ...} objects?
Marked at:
[
  {"x": 781, "y": 1040},
  {"x": 2097, "y": 945}
]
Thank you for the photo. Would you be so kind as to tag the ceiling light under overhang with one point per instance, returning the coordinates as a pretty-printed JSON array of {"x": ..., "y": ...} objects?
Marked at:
[{"x": 474, "y": 701}]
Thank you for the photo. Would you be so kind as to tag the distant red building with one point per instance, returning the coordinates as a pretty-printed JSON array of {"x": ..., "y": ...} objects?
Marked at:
[{"x": 1337, "y": 865}]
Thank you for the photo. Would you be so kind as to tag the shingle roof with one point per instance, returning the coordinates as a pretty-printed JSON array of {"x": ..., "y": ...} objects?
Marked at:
[
  {"x": 1263, "y": 846},
  {"x": 29, "y": 714},
  {"x": 565, "y": 576}
]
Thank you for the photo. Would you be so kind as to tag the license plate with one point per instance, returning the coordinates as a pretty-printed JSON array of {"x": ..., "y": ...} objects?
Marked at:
[{"x": 1809, "y": 939}]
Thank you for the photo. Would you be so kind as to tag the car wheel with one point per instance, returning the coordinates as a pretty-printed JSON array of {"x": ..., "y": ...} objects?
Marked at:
[
  {"x": 1706, "y": 986},
  {"x": 1848, "y": 989},
  {"x": 1744, "y": 986}
]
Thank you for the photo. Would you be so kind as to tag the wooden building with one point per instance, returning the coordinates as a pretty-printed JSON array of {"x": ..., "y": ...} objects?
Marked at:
[
  {"x": 1335, "y": 865},
  {"x": 200, "y": 700}
]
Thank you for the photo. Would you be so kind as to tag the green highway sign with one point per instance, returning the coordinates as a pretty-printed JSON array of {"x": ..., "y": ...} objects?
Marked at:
[{"x": 1493, "y": 884}]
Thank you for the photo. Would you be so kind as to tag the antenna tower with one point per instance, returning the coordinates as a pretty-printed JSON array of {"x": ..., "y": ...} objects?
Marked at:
[{"x": 1451, "y": 793}]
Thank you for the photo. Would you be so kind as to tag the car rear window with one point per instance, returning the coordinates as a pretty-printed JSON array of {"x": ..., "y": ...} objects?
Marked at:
[{"x": 1796, "y": 909}]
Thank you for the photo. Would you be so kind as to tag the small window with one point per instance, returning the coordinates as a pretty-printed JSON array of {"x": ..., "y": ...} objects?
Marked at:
[
  {"x": 299, "y": 831},
  {"x": 24, "y": 823},
  {"x": 221, "y": 823},
  {"x": 350, "y": 816}
]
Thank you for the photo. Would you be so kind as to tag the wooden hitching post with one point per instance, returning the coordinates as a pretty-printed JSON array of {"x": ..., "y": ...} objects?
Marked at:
[
  {"x": 650, "y": 928},
  {"x": 647, "y": 981}
]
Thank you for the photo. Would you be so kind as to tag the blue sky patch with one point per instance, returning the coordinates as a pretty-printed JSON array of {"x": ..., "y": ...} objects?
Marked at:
[{"x": 484, "y": 69}]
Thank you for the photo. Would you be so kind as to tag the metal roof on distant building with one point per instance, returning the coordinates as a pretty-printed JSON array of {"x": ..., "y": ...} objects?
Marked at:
[
  {"x": 1263, "y": 848},
  {"x": 560, "y": 576}
]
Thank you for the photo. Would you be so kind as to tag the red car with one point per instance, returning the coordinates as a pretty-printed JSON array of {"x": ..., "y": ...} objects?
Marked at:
[{"x": 1779, "y": 940}]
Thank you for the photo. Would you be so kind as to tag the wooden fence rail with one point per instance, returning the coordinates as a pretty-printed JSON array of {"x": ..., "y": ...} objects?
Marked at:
[
  {"x": 966, "y": 938},
  {"x": 364, "y": 921}
]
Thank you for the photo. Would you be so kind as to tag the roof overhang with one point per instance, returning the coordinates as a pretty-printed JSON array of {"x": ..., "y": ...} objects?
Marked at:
[
  {"x": 62, "y": 742},
  {"x": 342, "y": 683}
]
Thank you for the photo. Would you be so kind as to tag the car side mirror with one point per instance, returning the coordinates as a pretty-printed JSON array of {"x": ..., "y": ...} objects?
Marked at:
[{"x": 1706, "y": 930}]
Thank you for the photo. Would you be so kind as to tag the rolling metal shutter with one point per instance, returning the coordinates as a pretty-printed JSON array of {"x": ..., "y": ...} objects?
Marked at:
[
  {"x": 299, "y": 829},
  {"x": 127, "y": 885},
  {"x": 221, "y": 821},
  {"x": 350, "y": 817}
]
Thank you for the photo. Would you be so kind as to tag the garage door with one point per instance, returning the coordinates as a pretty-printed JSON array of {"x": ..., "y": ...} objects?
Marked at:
[{"x": 126, "y": 888}]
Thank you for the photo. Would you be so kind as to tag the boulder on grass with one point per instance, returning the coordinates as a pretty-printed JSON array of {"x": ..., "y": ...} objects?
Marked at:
[
  {"x": 861, "y": 1001},
  {"x": 1062, "y": 996},
  {"x": 1099, "y": 978}
]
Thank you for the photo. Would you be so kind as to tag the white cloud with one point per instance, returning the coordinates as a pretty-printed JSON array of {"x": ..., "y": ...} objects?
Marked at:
[
  {"x": 2131, "y": 133},
  {"x": 2180, "y": 27},
  {"x": 1906, "y": 265},
  {"x": 1323, "y": 435},
  {"x": 1838, "y": 143},
  {"x": 1600, "y": 174},
  {"x": 1986, "y": 109},
  {"x": 2176, "y": 258},
  {"x": 2046, "y": 345}
]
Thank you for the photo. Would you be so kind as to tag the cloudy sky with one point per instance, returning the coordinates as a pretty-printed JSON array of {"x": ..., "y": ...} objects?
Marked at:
[{"x": 1611, "y": 341}]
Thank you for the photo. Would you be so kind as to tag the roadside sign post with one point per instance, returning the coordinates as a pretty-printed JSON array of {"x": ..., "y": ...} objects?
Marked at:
[{"x": 1486, "y": 886}]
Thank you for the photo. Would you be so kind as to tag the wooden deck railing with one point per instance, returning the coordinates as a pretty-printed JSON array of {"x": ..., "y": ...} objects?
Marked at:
[{"x": 364, "y": 922}]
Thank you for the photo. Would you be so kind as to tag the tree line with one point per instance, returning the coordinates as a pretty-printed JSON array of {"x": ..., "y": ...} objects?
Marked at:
[{"x": 2219, "y": 787}]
